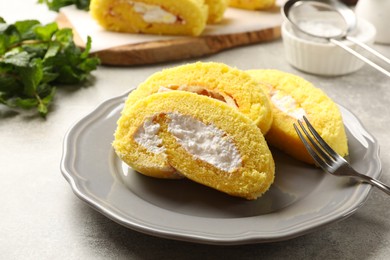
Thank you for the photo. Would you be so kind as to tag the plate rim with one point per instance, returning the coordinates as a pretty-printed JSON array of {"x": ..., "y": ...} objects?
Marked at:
[{"x": 248, "y": 237}]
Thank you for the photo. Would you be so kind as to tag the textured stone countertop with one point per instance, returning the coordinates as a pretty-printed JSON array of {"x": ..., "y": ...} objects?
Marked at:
[{"x": 41, "y": 218}]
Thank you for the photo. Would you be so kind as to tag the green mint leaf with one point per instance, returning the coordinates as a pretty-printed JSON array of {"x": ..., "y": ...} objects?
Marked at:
[
  {"x": 42, "y": 109},
  {"x": 9, "y": 84},
  {"x": 36, "y": 48},
  {"x": 69, "y": 75},
  {"x": 24, "y": 103},
  {"x": 16, "y": 58},
  {"x": 54, "y": 48},
  {"x": 9, "y": 36},
  {"x": 83, "y": 4},
  {"x": 55, "y": 5},
  {"x": 26, "y": 28},
  {"x": 3, "y": 44},
  {"x": 3, "y": 27},
  {"x": 49, "y": 97},
  {"x": 45, "y": 102},
  {"x": 3, "y": 98},
  {"x": 49, "y": 75},
  {"x": 31, "y": 76},
  {"x": 46, "y": 32},
  {"x": 87, "y": 49},
  {"x": 65, "y": 37},
  {"x": 34, "y": 58}
]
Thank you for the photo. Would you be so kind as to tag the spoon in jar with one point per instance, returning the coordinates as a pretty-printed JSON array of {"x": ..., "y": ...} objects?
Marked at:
[{"x": 331, "y": 20}]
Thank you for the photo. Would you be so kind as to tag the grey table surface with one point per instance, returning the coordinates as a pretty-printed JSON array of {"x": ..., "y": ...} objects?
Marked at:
[{"x": 40, "y": 217}]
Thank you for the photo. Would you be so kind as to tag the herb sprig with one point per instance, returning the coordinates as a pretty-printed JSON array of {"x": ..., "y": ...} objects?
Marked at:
[
  {"x": 34, "y": 58},
  {"x": 55, "y": 5}
]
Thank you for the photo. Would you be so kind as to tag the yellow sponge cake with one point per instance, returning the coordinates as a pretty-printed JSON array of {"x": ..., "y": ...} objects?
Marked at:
[
  {"x": 217, "y": 9},
  {"x": 292, "y": 97},
  {"x": 205, "y": 140},
  {"x": 184, "y": 17},
  {"x": 252, "y": 4},
  {"x": 216, "y": 80}
]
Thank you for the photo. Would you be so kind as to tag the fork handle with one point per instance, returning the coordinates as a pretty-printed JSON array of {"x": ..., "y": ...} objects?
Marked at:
[{"x": 380, "y": 185}]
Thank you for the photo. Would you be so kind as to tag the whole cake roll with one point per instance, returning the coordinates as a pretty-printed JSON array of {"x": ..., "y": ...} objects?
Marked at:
[
  {"x": 205, "y": 140},
  {"x": 184, "y": 17},
  {"x": 292, "y": 97},
  {"x": 252, "y": 4},
  {"x": 215, "y": 80}
]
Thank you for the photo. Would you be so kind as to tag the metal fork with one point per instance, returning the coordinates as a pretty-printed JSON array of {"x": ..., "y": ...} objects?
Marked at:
[{"x": 328, "y": 159}]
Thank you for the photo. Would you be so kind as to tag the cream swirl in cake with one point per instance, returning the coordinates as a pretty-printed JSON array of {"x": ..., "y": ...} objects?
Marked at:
[
  {"x": 292, "y": 97},
  {"x": 201, "y": 138},
  {"x": 184, "y": 17}
]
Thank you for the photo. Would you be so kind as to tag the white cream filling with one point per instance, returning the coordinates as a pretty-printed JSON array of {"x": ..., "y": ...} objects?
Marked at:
[
  {"x": 287, "y": 104},
  {"x": 205, "y": 142},
  {"x": 154, "y": 13},
  {"x": 146, "y": 136}
]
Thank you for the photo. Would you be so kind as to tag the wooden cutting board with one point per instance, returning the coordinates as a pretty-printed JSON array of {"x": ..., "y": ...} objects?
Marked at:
[{"x": 176, "y": 49}]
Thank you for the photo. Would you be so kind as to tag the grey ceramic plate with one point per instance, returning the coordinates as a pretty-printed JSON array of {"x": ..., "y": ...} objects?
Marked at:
[{"x": 302, "y": 199}]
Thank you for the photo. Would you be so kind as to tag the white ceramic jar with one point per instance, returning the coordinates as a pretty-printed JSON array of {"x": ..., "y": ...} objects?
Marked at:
[
  {"x": 376, "y": 12},
  {"x": 319, "y": 56}
]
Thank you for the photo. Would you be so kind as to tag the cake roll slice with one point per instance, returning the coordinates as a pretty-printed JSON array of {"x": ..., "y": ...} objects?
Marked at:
[
  {"x": 203, "y": 139},
  {"x": 293, "y": 97},
  {"x": 168, "y": 17},
  {"x": 215, "y": 80},
  {"x": 217, "y": 9},
  {"x": 252, "y": 4}
]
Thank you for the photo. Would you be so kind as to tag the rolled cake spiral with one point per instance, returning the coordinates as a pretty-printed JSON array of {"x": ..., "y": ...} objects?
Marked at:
[
  {"x": 217, "y": 9},
  {"x": 252, "y": 4},
  {"x": 204, "y": 139},
  {"x": 184, "y": 17},
  {"x": 292, "y": 97},
  {"x": 216, "y": 80}
]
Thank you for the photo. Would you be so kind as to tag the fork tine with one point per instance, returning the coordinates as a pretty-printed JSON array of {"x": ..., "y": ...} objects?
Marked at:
[
  {"x": 326, "y": 158},
  {"x": 320, "y": 140},
  {"x": 319, "y": 161},
  {"x": 316, "y": 147}
]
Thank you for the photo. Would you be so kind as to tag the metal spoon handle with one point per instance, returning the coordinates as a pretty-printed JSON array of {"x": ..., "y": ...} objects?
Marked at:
[
  {"x": 369, "y": 49},
  {"x": 361, "y": 57}
]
